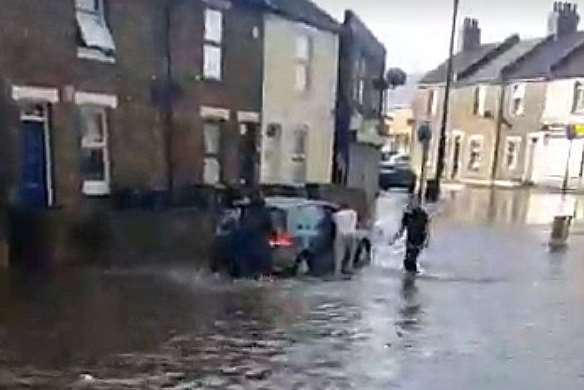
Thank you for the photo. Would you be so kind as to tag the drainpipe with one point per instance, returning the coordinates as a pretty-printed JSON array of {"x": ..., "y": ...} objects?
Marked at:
[
  {"x": 167, "y": 103},
  {"x": 498, "y": 133}
]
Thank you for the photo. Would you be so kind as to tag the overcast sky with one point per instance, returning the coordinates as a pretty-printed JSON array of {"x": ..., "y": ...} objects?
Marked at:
[{"x": 416, "y": 32}]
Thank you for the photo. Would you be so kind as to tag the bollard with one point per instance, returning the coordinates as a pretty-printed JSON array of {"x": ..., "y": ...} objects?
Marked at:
[{"x": 560, "y": 231}]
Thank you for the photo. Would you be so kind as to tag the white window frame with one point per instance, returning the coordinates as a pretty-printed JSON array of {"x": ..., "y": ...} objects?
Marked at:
[
  {"x": 517, "y": 94},
  {"x": 578, "y": 99},
  {"x": 216, "y": 156},
  {"x": 89, "y": 52},
  {"x": 477, "y": 165},
  {"x": 100, "y": 103},
  {"x": 360, "y": 79},
  {"x": 517, "y": 141},
  {"x": 213, "y": 42},
  {"x": 302, "y": 59},
  {"x": 480, "y": 103},
  {"x": 300, "y": 156}
]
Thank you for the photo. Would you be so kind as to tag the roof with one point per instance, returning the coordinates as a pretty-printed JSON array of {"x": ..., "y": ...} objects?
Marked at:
[
  {"x": 304, "y": 11},
  {"x": 538, "y": 63},
  {"x": 461, "y": 61},
  {"x": 492, "y": 70}
]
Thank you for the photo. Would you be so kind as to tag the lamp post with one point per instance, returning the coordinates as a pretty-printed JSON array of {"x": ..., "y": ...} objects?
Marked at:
[
  {"x": 571, "y": 134},
  {"x": 434, "y": 190}
]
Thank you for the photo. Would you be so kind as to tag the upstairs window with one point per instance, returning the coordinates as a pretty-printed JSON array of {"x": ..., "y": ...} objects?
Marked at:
[
  {"x": 360, "y": 80},
  {"x": 432, "y": 103},
  {"x": 96, "y": 41},
  {"x": 518, "y": 99},
  {"x": 480, "y": 101},
  {"x": 213, "y": 45},
  {"x": 302, "y": 63},
  {"x": 578, "y": 105}
]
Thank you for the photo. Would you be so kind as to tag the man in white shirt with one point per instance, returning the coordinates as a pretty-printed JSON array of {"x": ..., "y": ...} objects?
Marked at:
[{"x": 346, "y": 228}]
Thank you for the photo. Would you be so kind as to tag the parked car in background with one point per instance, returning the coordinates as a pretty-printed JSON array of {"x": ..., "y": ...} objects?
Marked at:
[
  {"x": 396, "y": 172},
  {"x": 303, "y": 233}
]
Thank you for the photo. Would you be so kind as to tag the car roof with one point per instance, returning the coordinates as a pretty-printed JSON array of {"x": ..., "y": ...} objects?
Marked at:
[{"x": 285, "y": 202}]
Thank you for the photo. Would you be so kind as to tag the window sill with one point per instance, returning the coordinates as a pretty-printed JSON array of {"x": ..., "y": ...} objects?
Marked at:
[
  {"x": 86, "y": 53},
  {"x": 96, "y": 188},
  {"x": 211, "y": 80}
]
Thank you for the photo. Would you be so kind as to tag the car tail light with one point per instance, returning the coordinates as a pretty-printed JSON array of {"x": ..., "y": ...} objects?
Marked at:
[{"x": 281, "y": 240}]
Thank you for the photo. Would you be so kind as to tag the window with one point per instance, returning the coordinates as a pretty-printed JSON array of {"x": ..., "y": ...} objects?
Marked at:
[
  {"x": 518, "y": 99},
  {"x": 578, "y": 105},
  {"x": 432, "y": 103},
  {"x": 360, "y": 80},
  {"x": 96, "y": 41},
  {"x": 302, "y": 63},
  {"x": 299, "y": 155},
  {"x": 212, "y": 48},
  {"x": 475, "y": 153},
  {"x": 512, "y": 152},
  {"x": 480, "y": 101},
  {"x": 299, "y": 151},
  {"x": 212, "y": 169},
  {"x": 95, "y": 163}
]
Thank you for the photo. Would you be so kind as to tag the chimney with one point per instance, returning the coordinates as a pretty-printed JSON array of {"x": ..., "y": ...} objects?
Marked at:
[
  {"x": 470, "y": 35},
  {"x": 564, "y": 19}
]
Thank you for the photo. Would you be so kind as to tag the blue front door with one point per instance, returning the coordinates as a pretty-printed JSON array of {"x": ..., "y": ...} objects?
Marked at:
[{"x": 33, "y": 189}]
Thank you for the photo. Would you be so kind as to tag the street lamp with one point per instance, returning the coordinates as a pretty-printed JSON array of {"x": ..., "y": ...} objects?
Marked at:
[{"x": 434, "y": 189}]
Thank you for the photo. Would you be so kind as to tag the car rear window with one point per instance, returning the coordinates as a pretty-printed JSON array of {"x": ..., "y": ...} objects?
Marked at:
[{"x": 279, "y": 220}]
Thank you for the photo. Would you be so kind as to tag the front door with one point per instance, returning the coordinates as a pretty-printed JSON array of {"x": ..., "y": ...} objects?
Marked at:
[
  {"x": 249, "y": 158},
  {"x": 456, "y": 149},
  {"x": 33, "y": 185}
]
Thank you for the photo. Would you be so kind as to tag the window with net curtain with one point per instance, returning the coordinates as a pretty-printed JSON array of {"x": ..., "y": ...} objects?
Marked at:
[
  {"x": 95, "y": 163},
  {"x": 302, "y": 63},
  {"x": 212, "y": 143}
]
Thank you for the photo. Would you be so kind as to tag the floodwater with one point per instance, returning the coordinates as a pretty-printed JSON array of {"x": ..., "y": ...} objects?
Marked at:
[{"x": 493, "y": 309}]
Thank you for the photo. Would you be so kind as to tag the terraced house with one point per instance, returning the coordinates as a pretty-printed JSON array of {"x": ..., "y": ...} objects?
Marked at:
[
  {"x": 497, "y": 130},
  {"x": 143, "y": 104}
]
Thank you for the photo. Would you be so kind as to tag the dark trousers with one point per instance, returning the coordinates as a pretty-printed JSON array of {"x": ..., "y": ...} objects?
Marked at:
[{"x": 411, "y": 260}]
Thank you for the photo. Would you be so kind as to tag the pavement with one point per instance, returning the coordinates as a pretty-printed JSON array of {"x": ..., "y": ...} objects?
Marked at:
[{"x": 493, "y": 309}]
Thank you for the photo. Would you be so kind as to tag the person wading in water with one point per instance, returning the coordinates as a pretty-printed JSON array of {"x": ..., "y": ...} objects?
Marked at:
[{"x": 415, "y": 222}]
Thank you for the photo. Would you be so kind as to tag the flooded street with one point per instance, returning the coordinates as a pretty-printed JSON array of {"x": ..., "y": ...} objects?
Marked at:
[{"x": 493, "y": 309}]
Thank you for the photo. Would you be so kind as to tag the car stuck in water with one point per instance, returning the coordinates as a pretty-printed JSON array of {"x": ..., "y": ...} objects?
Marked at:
[{"x": 301, "y": 239}]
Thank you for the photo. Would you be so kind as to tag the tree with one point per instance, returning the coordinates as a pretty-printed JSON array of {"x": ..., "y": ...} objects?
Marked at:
[{"x": 395, "y": 77}]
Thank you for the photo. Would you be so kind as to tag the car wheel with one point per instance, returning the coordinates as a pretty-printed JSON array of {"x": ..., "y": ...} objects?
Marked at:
[{"x": 363, "y": 254}]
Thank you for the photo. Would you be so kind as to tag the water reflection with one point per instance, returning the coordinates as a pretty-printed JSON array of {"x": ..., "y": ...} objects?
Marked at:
[
  {"x": 517, "y": 206},
  {"x": 410, "y": 312}
]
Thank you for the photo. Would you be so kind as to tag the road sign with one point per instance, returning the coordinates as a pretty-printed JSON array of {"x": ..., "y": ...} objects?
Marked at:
[{"x": 579, "y": 131}]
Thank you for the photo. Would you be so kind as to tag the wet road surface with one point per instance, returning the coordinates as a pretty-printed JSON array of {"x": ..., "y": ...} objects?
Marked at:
[{"x": 492, "y": 310}]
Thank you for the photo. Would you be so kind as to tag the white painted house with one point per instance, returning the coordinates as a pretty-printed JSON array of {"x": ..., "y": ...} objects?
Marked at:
[
  {"x": 301, "y": 47},
  {"x": 552, "y": 150}
]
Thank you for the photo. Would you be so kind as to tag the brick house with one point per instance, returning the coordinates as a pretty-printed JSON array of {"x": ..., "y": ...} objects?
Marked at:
[
  {"x": 99, "y": 96},
  {"x": 96, "y": 103},
  {"x": 358, "y": 138}
]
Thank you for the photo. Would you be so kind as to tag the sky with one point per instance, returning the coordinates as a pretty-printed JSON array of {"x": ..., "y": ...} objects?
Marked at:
[{"x": 416, "y": 32}]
